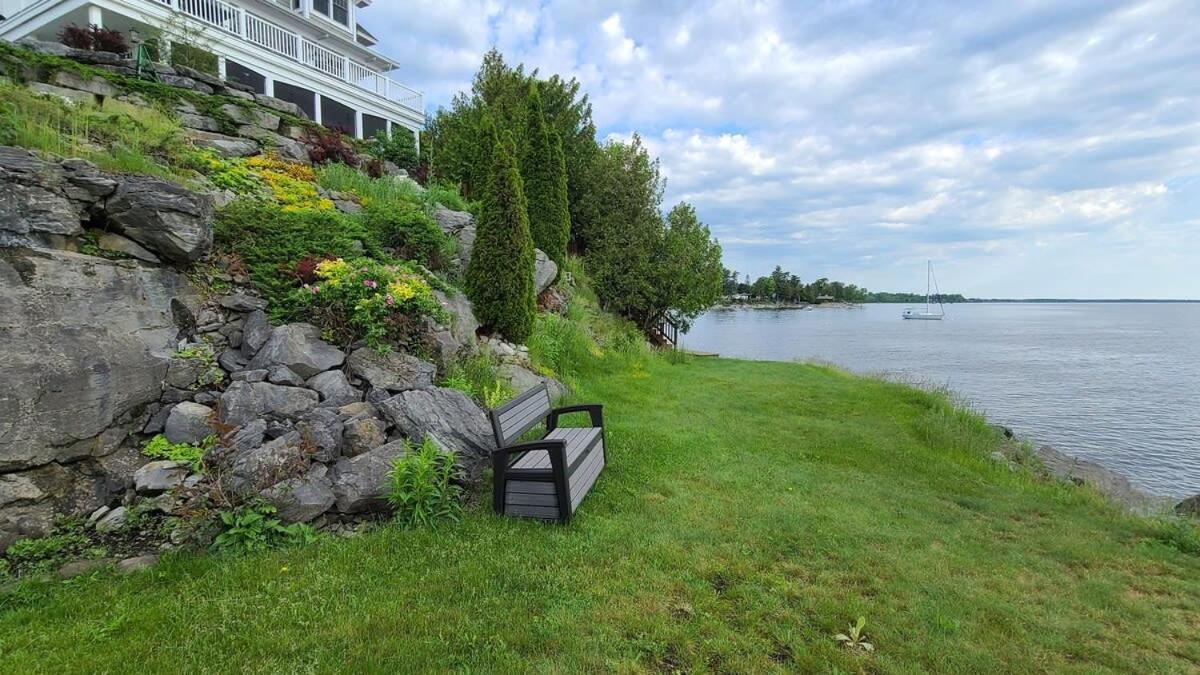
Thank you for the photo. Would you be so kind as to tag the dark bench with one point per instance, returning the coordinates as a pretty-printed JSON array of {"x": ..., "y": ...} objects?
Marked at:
[{"x": 546, "y": 478}]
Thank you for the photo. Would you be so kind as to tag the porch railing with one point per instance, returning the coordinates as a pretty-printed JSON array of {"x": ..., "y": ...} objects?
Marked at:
[{"x": 274, "y": 38}]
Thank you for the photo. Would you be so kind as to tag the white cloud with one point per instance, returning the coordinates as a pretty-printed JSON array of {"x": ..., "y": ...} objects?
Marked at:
[{"x": 854, "y": 140}]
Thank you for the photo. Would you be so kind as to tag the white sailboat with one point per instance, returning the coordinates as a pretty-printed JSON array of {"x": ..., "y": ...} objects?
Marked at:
[{"x": 927, "y": 315}]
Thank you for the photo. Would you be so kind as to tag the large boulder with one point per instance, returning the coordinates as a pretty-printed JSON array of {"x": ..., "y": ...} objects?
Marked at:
[
  {"x": 461, "y": 226},
  {"x": 255, "y": 332},
  {"x": 84, "y": 344},
  {"x": 360, "y": 483},
  {"x": 334, "y": 388},
  {"x": 299, "y": 500},
  {"x": 1189, "y": 506},
  {"x": 522, "y": 379},
  {"x": 242, "y": 402},
  {"x": 460, "y": 424},
  {"x": 545, "y": 271},
  {"x": 282, "y": 106},
  {"x": 278, "y": 460},
  {"x": 156, "y": 477},
  {"x": 170, "y": 220},
  {"x": 299, "y": 347},
  {"x": 188, "y": 422},
  {"x": 463, "y": 324},
  {"x": 393, "y": 371},
  {"x": 40, "y": 198},
  {"x": 226, "y": 146}
]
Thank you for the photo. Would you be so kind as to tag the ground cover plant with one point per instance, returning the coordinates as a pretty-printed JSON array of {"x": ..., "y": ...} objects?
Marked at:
[{"x": 707, "y": 544}]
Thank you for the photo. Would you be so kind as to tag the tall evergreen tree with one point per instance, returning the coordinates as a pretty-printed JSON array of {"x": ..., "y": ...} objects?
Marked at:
[
  {"x": 545, "y": 174},
  {"x": 500, "y": 274}
]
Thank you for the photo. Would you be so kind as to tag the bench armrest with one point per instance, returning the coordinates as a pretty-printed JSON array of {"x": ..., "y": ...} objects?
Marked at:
[
  {"x": 557, "y": 449},
  {"x": 595, "y": 411}
]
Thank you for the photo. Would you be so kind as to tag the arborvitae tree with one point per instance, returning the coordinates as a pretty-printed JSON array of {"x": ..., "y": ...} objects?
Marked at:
[
  {"x": 500, "y": 274},
  {"x": 545, "y": 174}
]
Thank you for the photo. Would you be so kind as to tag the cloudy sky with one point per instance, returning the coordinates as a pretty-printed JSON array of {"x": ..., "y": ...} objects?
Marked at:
[{"x": 1030, "y": 149}]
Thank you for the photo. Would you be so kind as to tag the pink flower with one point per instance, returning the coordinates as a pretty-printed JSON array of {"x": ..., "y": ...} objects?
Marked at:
[
  {"x": 314, "y": 289},
  {"x": 390, "y": 301},
  {"x": 370, "y": 283}
]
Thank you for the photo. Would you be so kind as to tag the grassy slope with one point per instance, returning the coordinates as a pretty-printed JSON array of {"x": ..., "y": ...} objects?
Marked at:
[{"x": 750, "y": 511}]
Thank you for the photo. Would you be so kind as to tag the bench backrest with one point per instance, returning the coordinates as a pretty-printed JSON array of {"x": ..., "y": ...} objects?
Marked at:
[{"x": 511, "y": 420}]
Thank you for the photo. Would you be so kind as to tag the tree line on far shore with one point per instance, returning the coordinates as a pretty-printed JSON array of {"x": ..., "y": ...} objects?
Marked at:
[{"x": 783, "y": 287}]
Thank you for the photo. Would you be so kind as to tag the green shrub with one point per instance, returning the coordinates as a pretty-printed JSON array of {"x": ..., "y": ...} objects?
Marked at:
[
  {"x": 500, "y": 274},
  {"x": 45, "y": 554},
  {"x": 448, "y": 196},
  {"x": 400, "y": 149},
  {"x": 410, "y": 234},
  {"x": 183, "y": 54},
  {"x": 361, "y": 297},
  {"x": 255, "y": 528},
  {"x": 421, "y": 487},
  {"x": 161, "y": 448},
  {"x": 544, "y": 172},
  {"x": 272, "y": 242}
]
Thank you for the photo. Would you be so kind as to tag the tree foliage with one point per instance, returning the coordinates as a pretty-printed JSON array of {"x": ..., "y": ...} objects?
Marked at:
[
  {"x": 500, "y": 275},
  {"x": 544, "y": 174}
]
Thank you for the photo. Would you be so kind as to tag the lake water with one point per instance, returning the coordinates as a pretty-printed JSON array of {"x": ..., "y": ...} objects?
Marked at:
[{"x": 1116, "y": 383}]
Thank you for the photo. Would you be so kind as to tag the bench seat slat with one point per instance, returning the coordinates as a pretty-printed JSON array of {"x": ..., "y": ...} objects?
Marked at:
[
  {"x": 534, "y": 487},
  {"x": 543, "y": 512},
  {"x": 522, "y": 499},
  {"x": 582, "y": 480}
]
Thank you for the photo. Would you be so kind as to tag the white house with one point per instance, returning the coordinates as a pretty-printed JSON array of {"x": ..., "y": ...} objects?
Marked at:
[{"x": 310, "y": 52}]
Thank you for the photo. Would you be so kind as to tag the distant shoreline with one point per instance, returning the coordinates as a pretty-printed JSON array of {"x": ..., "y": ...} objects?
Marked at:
[{"x": 969, "y": 301}]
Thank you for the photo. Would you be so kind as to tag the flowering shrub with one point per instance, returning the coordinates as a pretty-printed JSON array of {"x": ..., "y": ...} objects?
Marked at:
[
  {"x": 291, "y": 184},
  {"x": 365, "y": 298}
]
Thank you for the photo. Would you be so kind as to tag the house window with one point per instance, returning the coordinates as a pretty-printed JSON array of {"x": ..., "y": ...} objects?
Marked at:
[{"x": 338, "y": 10}]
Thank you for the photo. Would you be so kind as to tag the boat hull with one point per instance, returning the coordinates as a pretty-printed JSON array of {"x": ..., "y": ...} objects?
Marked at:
[{"x": 922, "y": 317}]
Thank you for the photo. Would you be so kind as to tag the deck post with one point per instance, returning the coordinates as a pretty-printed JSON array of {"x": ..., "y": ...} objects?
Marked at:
[
  {"x": 317, "y": 107},
  {"x": 95, "y": 16},
  {"x": 268, "y": 85}
]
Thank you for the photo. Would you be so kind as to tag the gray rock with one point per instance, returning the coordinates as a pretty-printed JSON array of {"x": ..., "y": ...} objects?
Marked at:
[
  {"x": 393, "y": 371},
  {"x": 226, "y": 146},
  {"x": 113, "y": 520},
  {"x": 248, "y": 436},
  {"x": 79, "y": 568},
  {"x": 34, "y": 196},
  {"x": 334, "y": 388},
  {"x": 446, "y": 347},
  {"x": 545, "y": 271},
  {"x": 15, "y": 488},
  {"x": 282, "y": 106},
  {"x": 93, "y": 85},
  {"x": 170, "y": 220},
  {"x": 232, "y": 360},
  {"x": 358, "y": 411},
  {"x": 241, "y": 302},
  {"x": 285, "y": 376},
  {"x": 110, "y": 241},
  {"x": 96, "y": 516},
  {"x": 278, "y": 460},
  {"x": 84, "y": 342},
  {"x": 321, "y": 429},
  {"x": 461, "y": 226},
  {"x": 199, "y": 75},
  {"x": 298, "y": 346},
  {"x": 283, "y": 146},
  {"x": 522, "y": 379},
  {"x": 72, "y": 97},
  {"x": 255, "y": 332},
  {"x": 251, "y": 115},
  {"x": 43, "y": 46},
  {"x": 299, "y": 500},
  {"x": 360, "y": 483},
  {"x": 463, "y": 324},
  {"x": 188, "y": 423},
  {"x": 136, "y": 564},
  {"x": 450, "y": 415},
  {"x": 363, "y": 435},
  {"x": 200, "y": 122},
  {"x": 245, "y": 401},
  {"x": 1188, "y": 507},
  {"x": 250, "y": 376},
  {"x": 160, "y": 476}
]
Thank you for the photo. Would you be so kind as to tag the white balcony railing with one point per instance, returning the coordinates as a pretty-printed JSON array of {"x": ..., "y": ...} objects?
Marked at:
[{"x": 279, "y": 40}]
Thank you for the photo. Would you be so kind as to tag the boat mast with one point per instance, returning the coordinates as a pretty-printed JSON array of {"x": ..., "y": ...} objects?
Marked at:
[{"x": 928, "y": 272}]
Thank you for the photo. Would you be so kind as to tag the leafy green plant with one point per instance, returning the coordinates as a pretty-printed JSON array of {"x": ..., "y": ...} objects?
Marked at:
[
  {"x": 400, "y": 149},
  {"x": 45, "y": 554},
  {"x": 362, "y": 297},
  {"x": 1179, "y": 533},
  {"x": 196, "y": 58},
  {"x": 255, "y": 528},
  {"x": 161, "y": 448},
  {"x": 476, "y": 376},
  {"x": 212, "y": 373},
  {"x": 856, "y": 638},
  {"x": 421, "y": 487},
  {"x": 410, "y": 233}
]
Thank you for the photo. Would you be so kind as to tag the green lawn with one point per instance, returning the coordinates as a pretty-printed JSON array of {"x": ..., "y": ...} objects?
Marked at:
[{"x": 749, "y": 512}]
